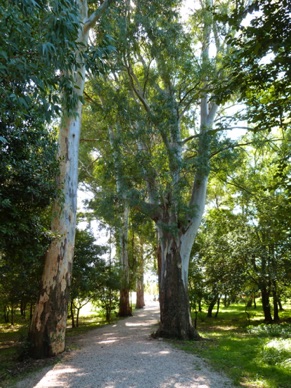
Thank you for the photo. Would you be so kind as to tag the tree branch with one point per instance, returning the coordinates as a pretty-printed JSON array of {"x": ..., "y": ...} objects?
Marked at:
[
  {"x": 92, "y": 19},
  {"x": 133, "y": 80},
  {"x": 240, "y": 145}
]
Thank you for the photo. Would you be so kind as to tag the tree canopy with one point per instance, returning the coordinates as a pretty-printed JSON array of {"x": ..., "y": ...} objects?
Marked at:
[{"x": 158, "y": 150}]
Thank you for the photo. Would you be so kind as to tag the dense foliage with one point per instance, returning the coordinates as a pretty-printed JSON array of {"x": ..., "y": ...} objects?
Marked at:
[
  {"x": 260, "y": 61},
  {"x": 148, "y": 142},
  {"x": 35, "y": 41}
]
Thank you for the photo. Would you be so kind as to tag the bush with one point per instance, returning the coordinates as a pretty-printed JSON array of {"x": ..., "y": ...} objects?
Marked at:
[
  {"x": 277, "y": 352},
  {"x": 282, "y": 331}
]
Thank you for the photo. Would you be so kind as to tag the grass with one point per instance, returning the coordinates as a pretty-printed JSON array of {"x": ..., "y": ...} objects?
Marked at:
[{"x": 250, "y": 353}]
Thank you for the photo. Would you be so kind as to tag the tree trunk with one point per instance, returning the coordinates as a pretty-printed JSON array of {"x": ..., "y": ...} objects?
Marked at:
[
  {"x": 48, "y": 325},
  {"x": 276, "y": 307},
  {"x": 199, "y": 305},
  {"x": 12, "y": 315},
  {"x": 23, "y": 308},
  {"x": 255, "y": 304},
  {"x": 280, "y": 305},
  {"x": 124, "y": 305},
  {"x": 211, "y": 306},
  {"x": 72, "y": 314},
  {"x": 218, "y": 305},
  {"x": 266, "y": 305},
  {"x": 140, "y": 292},
  {"x": 6, "y": 314},
  {"x": 175, "y": 320},
  {"x": 78, "y": 316},
  {"x": 140, "y": 281}
]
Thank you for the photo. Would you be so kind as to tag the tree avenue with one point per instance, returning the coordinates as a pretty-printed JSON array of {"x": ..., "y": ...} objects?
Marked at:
[
  {"x": 157, "y": 100},
  {"x": 156, "y": 92}
]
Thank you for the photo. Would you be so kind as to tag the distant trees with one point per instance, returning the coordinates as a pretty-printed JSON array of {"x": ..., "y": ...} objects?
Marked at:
[
  {"x": 94, "y": 278},
  {"x": 244, "y": 244}
]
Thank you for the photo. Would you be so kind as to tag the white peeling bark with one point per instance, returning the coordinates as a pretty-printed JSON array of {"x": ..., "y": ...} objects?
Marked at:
[
  {"x": 48, "y": 326},
  {"x": 199, "y": 189},
  {"x": 187, "y": 239}
]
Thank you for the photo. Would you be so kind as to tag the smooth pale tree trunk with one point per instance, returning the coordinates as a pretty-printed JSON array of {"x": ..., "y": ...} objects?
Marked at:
[
  {"x": 140, "y": 303},
  {"x": 124, "y": 304},
  {"x": 48, "y": 325}
]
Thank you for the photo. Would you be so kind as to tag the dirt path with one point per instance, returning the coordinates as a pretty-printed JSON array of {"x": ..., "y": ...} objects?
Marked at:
[{"x": 123, "y": 355}]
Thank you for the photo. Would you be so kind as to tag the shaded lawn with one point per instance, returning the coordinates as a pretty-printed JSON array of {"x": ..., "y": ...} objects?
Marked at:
[{"x": 250, "y": 353}]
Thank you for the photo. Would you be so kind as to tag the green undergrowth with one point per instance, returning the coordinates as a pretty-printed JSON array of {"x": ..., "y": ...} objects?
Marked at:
[{"x": 248, "y": 351}]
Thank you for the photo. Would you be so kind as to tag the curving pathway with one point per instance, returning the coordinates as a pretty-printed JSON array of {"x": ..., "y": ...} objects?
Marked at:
[{"x": 123, "y": 355}]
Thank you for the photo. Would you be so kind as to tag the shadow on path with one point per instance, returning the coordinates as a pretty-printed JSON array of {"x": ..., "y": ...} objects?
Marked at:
[{"x": 123, "y": 355}]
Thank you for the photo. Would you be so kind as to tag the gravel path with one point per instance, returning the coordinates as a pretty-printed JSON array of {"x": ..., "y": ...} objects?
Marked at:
[{"x": 123, "y": 355}]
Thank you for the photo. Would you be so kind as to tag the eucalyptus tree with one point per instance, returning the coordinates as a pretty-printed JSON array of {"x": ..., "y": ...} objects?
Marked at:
[
  {"x": 105, "y": 176},
  {"x": 164, "y": 111},
  {"x": 36, "y": 39},
  {"x": 48, "y": 326},
  {"x": 30, "y": 98}
]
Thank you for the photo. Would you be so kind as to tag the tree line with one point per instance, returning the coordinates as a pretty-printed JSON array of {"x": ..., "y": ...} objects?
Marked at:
[{"x": 156, "y": 96}]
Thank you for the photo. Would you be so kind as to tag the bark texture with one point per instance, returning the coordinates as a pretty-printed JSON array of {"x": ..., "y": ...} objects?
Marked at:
[
  {"x": 48, "y": 325},
  {"x": 124, "y": 305},
  {"x": 175, "y": 320}
]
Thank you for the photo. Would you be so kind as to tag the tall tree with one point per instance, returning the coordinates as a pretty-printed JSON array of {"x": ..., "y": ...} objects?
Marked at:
[
  {"x": 162, "y": 90},
  {"x": 48, "y": 326},
  {"x": 30, "y": 97}
]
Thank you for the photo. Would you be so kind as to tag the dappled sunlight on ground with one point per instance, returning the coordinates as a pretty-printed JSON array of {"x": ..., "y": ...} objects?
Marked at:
[
  {"x": 164, "y": 352},
  {"x": 109, "y": 341},
  {"x": 124, "y": 355},
  {"x": 133, "y": 324},
  {"x": 223, "y": 328},
  {"x": 57, "y": 377}
]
